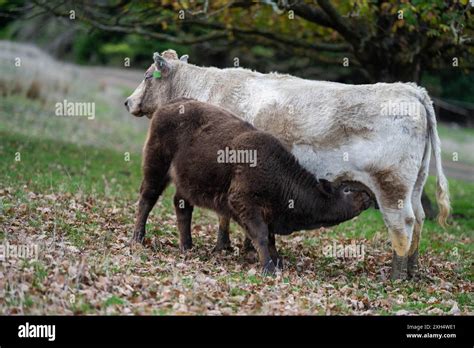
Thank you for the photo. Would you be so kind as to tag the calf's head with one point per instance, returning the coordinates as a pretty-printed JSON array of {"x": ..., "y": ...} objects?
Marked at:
[
  {"x": 156, "y": 88},
  {"x": 345, "y": 201}
]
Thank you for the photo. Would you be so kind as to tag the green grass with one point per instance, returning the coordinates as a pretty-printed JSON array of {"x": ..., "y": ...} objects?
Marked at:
[
  {"x": 109, "y": 129},
  {"x": 113, "y": 300},
  {"x": 47, "y": 165}
]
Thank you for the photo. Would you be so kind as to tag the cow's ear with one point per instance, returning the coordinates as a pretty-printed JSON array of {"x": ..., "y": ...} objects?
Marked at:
[
  {"x": 184, "y": 58},
  {"x": 162, "y": 64},
  {"x": 326, "y": 187}
]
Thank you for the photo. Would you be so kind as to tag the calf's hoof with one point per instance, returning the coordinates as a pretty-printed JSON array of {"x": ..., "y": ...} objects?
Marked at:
[
  {"x": 399, "y": 267},
  {"x": 183, "y": 247},
  {"x": 413, "y": 266},
  {"x": 221, "y": 246},
  {"x": 269, "y": 269},
  {"x": 278, "y": 261},
  {"x": 138, "y": 238}
]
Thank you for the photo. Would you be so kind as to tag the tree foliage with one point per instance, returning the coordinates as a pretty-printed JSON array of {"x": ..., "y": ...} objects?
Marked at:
[{"x": 379, "y": 40}]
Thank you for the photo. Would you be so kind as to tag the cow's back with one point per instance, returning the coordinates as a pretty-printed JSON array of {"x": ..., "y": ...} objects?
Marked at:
[{"x": 335, "y": 128}]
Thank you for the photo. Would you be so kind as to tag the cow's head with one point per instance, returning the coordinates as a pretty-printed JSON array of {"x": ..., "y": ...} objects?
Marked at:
[{"x": 155, "y": 89}]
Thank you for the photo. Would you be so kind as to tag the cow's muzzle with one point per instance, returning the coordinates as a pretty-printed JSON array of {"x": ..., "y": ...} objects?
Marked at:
[{"x": 134, "y": 109}]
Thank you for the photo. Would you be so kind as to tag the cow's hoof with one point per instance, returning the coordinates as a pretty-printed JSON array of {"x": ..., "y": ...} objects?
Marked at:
[
  {"x": 399, "y": 267},
  {"x": 413, "y": 266},
  {"x": 269, "y": 269}
]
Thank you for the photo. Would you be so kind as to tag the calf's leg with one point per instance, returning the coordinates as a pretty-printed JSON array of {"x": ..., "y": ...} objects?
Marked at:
[
  {"x": 155, "y": 180},
  {"x": 184, "y": 212},
  {"x": 223, "y": 239},
  {"x": 246, "y": 213},
  {"x": 257, "y": 231},
  {"x": 277, "y": 259},
  {"x": 248, "y": 246},
  {"x": 150, "y": 191}
]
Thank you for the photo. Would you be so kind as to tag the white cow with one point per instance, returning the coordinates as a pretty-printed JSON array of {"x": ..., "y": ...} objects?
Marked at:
[{"x": 380, "y": 135}]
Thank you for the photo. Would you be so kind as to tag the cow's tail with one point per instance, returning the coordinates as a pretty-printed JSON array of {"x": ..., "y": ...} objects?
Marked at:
[{"x": 442, "y": 187}]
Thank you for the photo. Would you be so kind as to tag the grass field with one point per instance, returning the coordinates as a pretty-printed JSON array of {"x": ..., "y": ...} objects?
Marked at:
[{"x": 69, "y": 186}]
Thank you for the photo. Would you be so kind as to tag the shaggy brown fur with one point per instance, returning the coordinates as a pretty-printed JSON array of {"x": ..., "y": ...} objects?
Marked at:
[{"x": 277, "y": 196}]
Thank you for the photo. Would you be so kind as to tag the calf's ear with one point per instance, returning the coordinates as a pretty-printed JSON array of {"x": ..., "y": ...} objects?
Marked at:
[
  {"x": 184, "y": 58},
  {"x": 325, "y": 187},
  {"x": 162, "y": 64}
]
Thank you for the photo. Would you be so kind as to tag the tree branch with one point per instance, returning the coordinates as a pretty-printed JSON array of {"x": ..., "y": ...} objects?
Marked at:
[
  {"x": 338, "y": 22},
  {"x": 342, "y": 47},
  {"x": 137, "y": 29},
  {"x": 308, "y": 12}
]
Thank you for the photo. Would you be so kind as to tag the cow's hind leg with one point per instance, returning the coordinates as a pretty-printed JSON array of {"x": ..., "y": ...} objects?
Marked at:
[
  {"x": 400, "y": 224},
  {"x": 419, "y": 219},
  {"x": 412, "y": 263},
  {"x": 394, "y": 199}
]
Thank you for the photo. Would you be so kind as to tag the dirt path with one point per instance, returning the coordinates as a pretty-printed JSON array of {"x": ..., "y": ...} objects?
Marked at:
[{"x": 113, "y": 77}]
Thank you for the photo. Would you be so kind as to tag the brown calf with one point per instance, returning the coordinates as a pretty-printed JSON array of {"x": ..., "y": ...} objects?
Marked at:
[{"x": 220, "y": 162}]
